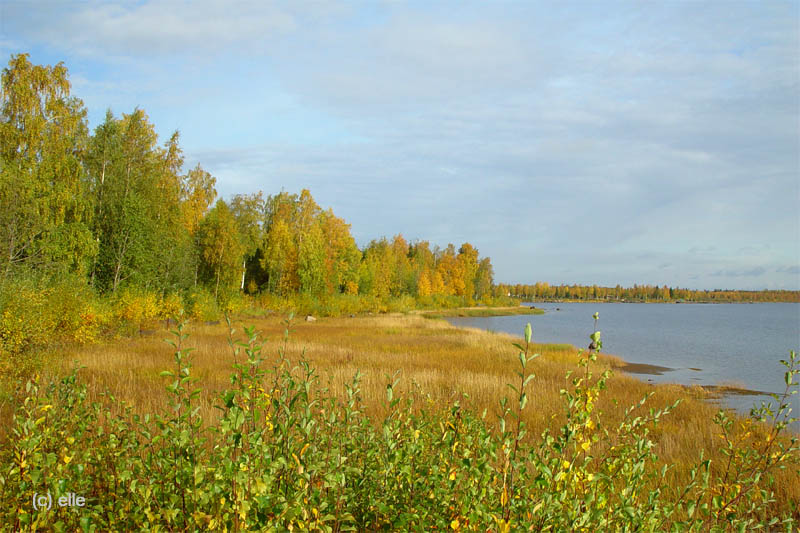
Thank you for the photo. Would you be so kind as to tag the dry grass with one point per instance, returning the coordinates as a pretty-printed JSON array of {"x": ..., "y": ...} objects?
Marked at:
[{"x": 469, "y": 365}]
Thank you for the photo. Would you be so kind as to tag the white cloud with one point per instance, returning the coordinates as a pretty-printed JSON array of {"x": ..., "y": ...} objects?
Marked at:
[
  {"x": 152, "y": 29},
  {"x": 548, "y": 135}
]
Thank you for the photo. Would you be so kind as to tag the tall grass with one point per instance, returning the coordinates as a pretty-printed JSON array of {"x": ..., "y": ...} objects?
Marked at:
[{"x": 296, "y": 441}]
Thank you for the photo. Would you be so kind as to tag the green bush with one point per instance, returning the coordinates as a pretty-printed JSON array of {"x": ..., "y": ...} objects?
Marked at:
[
  {"x": 201, "y": 304},
  {"x": 37, "y": 312},
  {"x": 285, "y": 454}
]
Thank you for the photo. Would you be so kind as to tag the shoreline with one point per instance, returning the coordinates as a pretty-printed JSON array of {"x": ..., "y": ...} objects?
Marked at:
[
  {"x": 480, "y": 312},
  {"x": 684, "y": 302},
  {"x": 635, "y": 370}
]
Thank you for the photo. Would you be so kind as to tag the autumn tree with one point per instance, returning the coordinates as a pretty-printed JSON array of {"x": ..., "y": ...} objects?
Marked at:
[
  {"x": 342, "y": 256},
  {"x": 197, "y": 194},
  {"x": 279, "y": 259},
  {"x": 468, "y": 269}
]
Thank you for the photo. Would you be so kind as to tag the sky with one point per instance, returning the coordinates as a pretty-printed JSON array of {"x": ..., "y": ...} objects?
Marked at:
[{"x": 571, "y": 142}]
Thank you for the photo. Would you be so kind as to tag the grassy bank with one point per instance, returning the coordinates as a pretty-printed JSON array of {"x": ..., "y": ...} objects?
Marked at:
[
  {"x": 39, "y": 314},
  {"x": 455, "y": 375},
  {"x": 482, "y": 311}
]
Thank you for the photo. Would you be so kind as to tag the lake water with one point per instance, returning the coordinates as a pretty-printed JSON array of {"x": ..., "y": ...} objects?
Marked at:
[{"x": 704, "y": 344}]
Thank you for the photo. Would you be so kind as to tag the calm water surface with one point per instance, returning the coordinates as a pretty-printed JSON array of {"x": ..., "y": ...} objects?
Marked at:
[{"x": 705, "y": 344}]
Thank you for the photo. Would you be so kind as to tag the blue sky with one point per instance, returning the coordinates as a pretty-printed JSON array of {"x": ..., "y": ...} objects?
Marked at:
[{"x": 572, "y": 142}]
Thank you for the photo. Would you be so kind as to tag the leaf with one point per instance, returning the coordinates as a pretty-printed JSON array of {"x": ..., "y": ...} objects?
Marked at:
[{"x": 528, "y": 332}]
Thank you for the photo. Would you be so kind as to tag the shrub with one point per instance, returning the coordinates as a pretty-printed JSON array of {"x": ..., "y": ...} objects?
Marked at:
[
  {"x": 285, "y": 454},
  {"x": 37, "y": 312},
  {"x": 201, "y": 304},
  {"x": 136, "y": 306},
  {"x": 171, "y": 305}
]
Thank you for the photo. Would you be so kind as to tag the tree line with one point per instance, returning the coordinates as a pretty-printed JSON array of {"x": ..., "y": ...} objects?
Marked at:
[
  {"x": 641, "y": 293},
  {"x": 117, "y": 208}
]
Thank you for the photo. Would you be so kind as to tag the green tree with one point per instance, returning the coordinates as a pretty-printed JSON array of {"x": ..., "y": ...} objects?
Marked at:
[
  {"x": 221, "y": 248},
  {"x": 468, "y": 268},
  {"x": 484, "y": 278},
  {"x": 248, "y": 210},
  {"x": 125, "y": 177},
  {"x": 311, "y": 260},
  {"x": 137, "y": 192},
  {"x": 43, "y": 132}
]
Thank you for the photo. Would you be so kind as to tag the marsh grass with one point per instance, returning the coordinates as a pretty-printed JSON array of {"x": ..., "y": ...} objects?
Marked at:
[
  {"x": 455, "y": 375},
  {"x": 448, "y": 363}
]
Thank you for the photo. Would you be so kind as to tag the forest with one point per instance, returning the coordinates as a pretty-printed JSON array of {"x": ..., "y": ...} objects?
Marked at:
[
  {"x": 117, "y": 208},
  {"x": 641, "y": 293}
]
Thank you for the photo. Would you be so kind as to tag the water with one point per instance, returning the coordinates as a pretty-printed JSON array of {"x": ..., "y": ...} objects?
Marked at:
[{"x": 704, "y": 344}]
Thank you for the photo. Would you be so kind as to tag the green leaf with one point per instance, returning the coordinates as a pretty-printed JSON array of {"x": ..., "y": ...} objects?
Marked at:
[
  {"x": 716, "y": 502},
  {"x": 528, "y": 332}
]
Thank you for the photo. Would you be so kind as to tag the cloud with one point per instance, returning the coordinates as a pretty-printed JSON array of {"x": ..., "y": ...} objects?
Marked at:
[
  {"x": 792, "y": 269},
  {"x": 615, "y": 139},
  {"x": 150, "y": 29},
  {"x": 752, "y": 272}
]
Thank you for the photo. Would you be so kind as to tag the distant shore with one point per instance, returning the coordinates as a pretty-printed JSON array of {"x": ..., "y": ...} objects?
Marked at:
[
  {"x": 570, "y": 301},
  {"x": 482, "y": 312}
]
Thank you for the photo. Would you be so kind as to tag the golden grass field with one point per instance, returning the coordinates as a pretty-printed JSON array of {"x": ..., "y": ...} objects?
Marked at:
[{"x": 448, "y": 363}]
